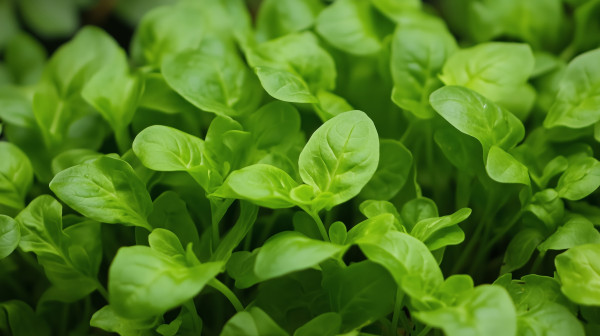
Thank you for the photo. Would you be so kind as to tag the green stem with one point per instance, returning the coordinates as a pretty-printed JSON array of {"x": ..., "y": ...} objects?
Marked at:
[
  {"x": 218, "y": 209},
  {"x": 320, "y": 225},
  {"x": 397, "y": 310},
  {"x": 505, "y": 228},
  {"x": 466, "y": 253},
  {"x": 218, "y": 285},
  {"x": 537, "y": 263},
  {"x": 425, "y": 331},
  {"x": 102, "y": 290},
  {"x": 191, "y": 307},
  {"x": 123, "y": 139}
]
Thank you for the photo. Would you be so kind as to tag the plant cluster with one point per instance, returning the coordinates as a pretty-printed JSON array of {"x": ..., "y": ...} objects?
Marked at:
[{"x": 356, "y": 167}]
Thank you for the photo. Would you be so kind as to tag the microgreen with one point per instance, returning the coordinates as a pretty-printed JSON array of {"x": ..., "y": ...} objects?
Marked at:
[{"x": 300, "y": 167}]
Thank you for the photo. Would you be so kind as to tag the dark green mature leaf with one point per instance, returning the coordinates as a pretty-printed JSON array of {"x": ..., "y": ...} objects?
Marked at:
[
  {"x": 70, "y": 257},
  {"x": 327, "y": 324},
  {"x": 16, "y": 176},
  {"x": 341, "y": 156},
  {"x": 360, "y": 293},
  {"x": 520, "y": 249},
  {"x": 395, "y": 163},
  {"x": 21, "y": 320},
  {"x": 106, "y": 190},
  {"x": 10, "y": 234}
]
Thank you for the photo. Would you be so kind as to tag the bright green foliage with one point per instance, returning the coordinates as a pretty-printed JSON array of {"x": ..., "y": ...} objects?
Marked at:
[{"x": 300, "y": 167}]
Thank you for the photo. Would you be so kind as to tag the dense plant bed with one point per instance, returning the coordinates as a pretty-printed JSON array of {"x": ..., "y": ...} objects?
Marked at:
[{"x": 299, "y": 167}]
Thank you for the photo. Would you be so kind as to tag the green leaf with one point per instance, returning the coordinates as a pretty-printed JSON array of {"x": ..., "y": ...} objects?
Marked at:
[
  {"x": 438, "y": 232},
  {"x": 16, "y": 176},
  {"x": 520, "y": 249},
  {"x": 25, "y": 58},
  {"x": 107, "y": 319},
  {"x": 262, "y": 184},
  {"x": 22, "y": 320},
  {"x": 170, "y": 212},
  {"x": 395, "y": 163},
  {"x": 338, "y": 233},
  {"x": 277, "y": 18},
  {"x": 541, "y": 307},
  {"x": 57, "y": 102},
  {"x": 418, "y": 209},
  {"x": 214, "y": 79},
  {"x": 552, "y": 319},
  {"x": 579, "y": 273},
  {"x": 487, "y": 310},
  {"x": 72, "y": 157},
  {"x": 106, "y": 190},
  {"x": 475, "y": 115},
  {"x": 341, "y": 156},
  {"x": 237, "y": 233},
  {"x": 577, "y": 231},
  {"x": 504, "y": 168},
  {"x": 59, "y": 19},
  {"x": 351, "y": 25},
  {"x": 294, "y": 67},
  {"x": 361, "y": 293},
  {"x": 420, "y": 48},
  {"x": 147, "y": 281},
  {"x": 163, "y": 148},
  {"x": 490, "y": 69},
  {"x": 576, "y": 103},
  {"x": 274, "y": 126},
  {"x": 253, "y": 322},
  {"x": 71, "y": 257},
  {"x": 412, "y": 266},
  {"x": 115, "y": 93},
  {"x": 288, "y": 252},
  {"x": 10, "y": 234},
  {"x": 580, "y": 179},
  {"x": 327, "y": 324}
]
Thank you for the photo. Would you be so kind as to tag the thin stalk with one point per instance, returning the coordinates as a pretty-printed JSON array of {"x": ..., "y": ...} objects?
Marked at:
[
  {"x": 102, "y": 290},
  {"x": 405, "y": 322},
  {"x": 467, "y": 252},
  {"x": 425, "y": 331},
  {"x": 123, "y": 139},
  {"x": 191, "y": 307},
  {"x": 233, "y": 299},
  {"x": 537, "y": 263},
  {"x": 397, "y": 310},
  {"x": 320, "y": 225}
]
